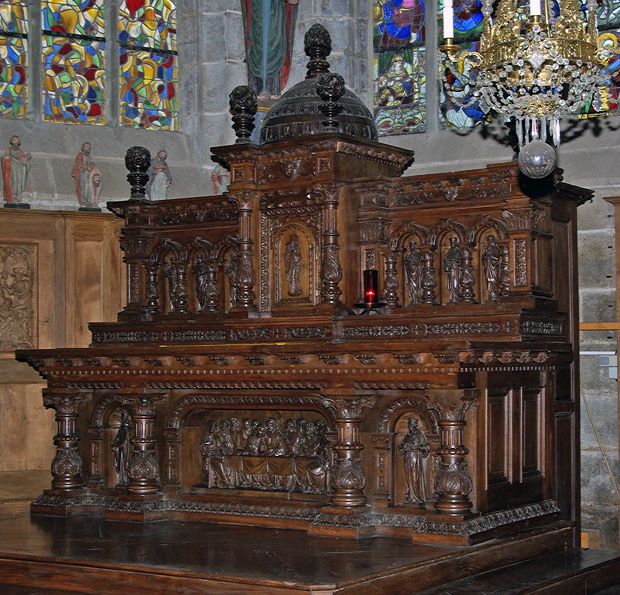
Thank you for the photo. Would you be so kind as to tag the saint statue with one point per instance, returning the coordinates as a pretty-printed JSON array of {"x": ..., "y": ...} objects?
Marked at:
[
  {"x": 87, "y": 179},
  {"x": 414, "y": 449},
  {"x": 452, "y": 268},
  {"x": 120, "y": 447},
  {"x": 15, "y": 168},
  {"x": 220, "y": 178},
  {"x": 292, "y": 266},
  {"x": 491, "y": 260},
  {"x": 159, "y": 177},
  {"x": 414, "y": 261},
  {"x": 269, "y": 26}
]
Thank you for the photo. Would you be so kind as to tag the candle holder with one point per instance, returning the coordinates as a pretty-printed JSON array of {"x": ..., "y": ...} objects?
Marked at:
[{"x": 371, "y": 303}]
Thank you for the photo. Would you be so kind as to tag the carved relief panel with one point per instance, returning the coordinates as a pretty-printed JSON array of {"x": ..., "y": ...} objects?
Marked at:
[
  {"x": 17, "y": 303},
  {"x": 284, "y": 451}
]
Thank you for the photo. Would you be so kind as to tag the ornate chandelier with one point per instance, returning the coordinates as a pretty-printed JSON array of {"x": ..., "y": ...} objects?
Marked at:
[{"x": 534, "y": 70}]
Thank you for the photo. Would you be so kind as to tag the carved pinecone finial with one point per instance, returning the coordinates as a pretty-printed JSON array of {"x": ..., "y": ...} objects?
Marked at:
[
  {"x": 318, "y": 45},
  {"x": 330, "y": 88},
  {"x": 243, "y": 105},
  {"x": 137, "y": 161}
]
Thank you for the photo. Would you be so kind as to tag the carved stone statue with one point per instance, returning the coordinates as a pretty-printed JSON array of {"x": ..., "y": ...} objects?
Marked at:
[
  {"x": 88, "y": 179},
  {"x": 15, "y": 168},
  {"x": 452, "y": 268},
  {"x": 220, "y": 178},
  {"x": 16, "y": 297},
  {"x": 292, "y": 266},
  {"x": 121, "y": 447},
  {"x": 413, "y": 264},
  {"x": 491, "y": 260},
  {"x": 159, "y": 177},
  {"x": 414, "y": 449}
]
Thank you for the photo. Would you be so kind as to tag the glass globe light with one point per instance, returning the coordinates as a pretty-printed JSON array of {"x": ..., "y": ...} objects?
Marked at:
[{"x": 537, "y": 159}]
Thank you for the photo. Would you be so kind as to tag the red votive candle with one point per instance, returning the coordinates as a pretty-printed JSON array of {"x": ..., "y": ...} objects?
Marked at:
[{"x": 371, "y": 286}]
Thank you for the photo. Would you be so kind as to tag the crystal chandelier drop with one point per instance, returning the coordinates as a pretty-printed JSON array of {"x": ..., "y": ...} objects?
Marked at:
[{"x": 534, "y": 70}]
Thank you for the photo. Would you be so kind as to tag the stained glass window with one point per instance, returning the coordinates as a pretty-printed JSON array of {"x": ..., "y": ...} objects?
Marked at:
[
  {"x": 399, "y": 66},
  {"x": 148, "y": 63},
  {"x": 13, "y": 58},
  {"x": 73, "y": 47},
  {"x": 608, "y": 21}
]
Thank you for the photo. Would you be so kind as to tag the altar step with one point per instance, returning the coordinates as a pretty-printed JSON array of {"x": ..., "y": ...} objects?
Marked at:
[
  {"x": 43, "y": 555},
  {"x": 569, "y": 572}
]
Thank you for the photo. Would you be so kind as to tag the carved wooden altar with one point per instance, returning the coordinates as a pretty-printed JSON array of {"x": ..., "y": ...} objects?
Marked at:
[{"x": 249, "y": 381}]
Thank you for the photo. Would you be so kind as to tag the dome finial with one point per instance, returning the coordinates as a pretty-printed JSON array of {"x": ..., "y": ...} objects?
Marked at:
[{"x": 318, "y": 45}]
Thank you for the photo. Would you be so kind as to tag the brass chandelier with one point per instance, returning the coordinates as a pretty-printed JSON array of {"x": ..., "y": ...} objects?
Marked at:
[{"x": 533, "y": 69}]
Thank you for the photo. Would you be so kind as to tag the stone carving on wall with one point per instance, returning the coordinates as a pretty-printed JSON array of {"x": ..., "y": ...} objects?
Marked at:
[
  {"x": 414, "y": 448},
  {"x": 17, "y": 313},
  {"x": 293, "y": 455}
]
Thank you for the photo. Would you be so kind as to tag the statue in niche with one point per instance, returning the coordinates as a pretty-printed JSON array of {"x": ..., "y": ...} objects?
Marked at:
[
  {"x": 292, "y": 266},
  {"x": 452, "y": 268},
  {"x": 159, "y": 177},
  {"x": 220, "y": 178},
  {"x": 175, "y": 285},
  {"x": 206, "y": 288},
  {"x": 491, "y": 260},
  {"x": 269, "y": 28},
  {"x": 414, "y": 449},
  {"x": 88, "y": 179},
  {"x": 413, "y": 264},
  {"x": 232, "y": 272},
  {"x": 15, "y": 168},
  {"x": 120, "y": 447}
]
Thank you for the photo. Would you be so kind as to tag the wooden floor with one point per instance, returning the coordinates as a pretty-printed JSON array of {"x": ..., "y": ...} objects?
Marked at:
[{"x": 45, "y": 555}]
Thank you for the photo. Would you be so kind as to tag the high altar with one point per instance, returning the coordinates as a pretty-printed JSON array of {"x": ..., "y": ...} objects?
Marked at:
[{"x": 332, "y": 347}]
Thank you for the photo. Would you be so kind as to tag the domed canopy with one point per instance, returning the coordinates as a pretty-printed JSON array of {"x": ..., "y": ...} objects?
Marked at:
[{"x": 298, "y": 111}]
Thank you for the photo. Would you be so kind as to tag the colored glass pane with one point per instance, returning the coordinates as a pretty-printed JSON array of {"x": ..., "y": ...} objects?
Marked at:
[
  {"x": 73, "y": 80},
  {"x": 608, "y": 14},
  {"x": 149, "y": 24},
  {"x": 398, "y": 23},
  {"x": 148, "y": 89},
  {"x": 13, "y": 59},
  {"x": 609, "y": 41},
  {"x": 73, "y": 17},
  {"x": 400, "y": 91},
  {"x": 13, "y": 17},
  {"x": 468, "y": 113}
]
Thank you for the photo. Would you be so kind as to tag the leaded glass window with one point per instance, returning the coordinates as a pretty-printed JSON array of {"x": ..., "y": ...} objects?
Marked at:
[
  {"x": 73, "y": 63},
  {"x": 399, "y": 66},
  {"x": 13, "y": 58},
  {"x": 148, "y": 64}
]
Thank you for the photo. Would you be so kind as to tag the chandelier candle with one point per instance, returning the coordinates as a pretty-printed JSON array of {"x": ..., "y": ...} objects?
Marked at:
[{"x": 448, "y": 20}]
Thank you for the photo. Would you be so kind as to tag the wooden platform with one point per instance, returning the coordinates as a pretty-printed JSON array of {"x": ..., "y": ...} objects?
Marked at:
[{"x": 42, "y": 555}]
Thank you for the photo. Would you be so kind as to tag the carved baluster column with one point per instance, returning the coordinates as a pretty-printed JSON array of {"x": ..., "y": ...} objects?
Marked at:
[
  {"x": 467, "y": 280},
  {"x": 178, "y": 297},
  {"x": 452, "y": 482},
  {"x": 143, "y": 468},
  {"x": 152, "y": 291},
  {"x": 390, "y": 295},
  {"x": 212, "y": 291},
  {"x": 504, "y": 272},
  {"x": 246, "y": 276},
  {"x": 428, "y": 279},
  {"x": 67, "y": 463},
  {"x": 135, "y": 253},
  {"x": 348, "y": 479},
  {"x": 331, "y": 272}
]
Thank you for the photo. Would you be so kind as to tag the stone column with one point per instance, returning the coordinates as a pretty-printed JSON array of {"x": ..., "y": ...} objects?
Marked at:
[
  {"x": 67, "y": 463},
  {"x": 143, "y": 468},
  {"x": 348, "y": 479}
]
